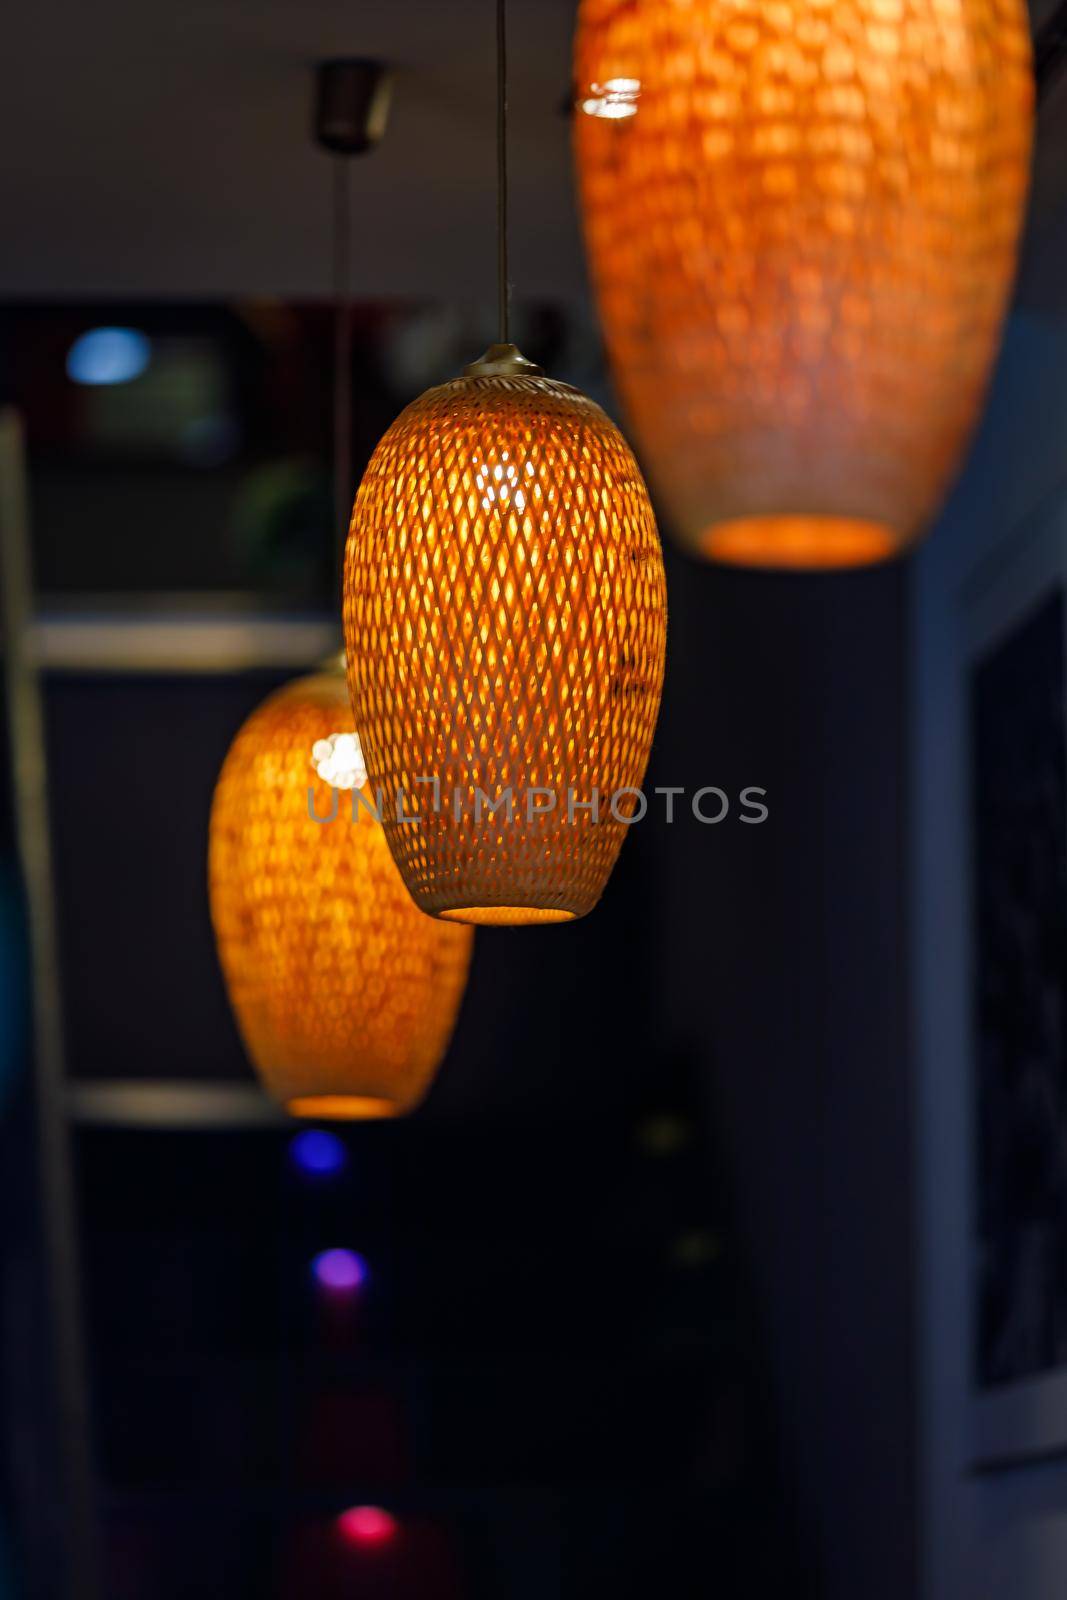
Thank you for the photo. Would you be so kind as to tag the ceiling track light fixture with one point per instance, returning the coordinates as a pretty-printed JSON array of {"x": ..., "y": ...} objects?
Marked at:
[
  {"x": 505, "y": 622},
  {"x": 802, "y": 222},
  {"x": 345, "y": 994}
]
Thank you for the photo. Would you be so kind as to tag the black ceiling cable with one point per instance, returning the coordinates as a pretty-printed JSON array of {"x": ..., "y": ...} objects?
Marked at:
[
  {"x": 503, "y": 292},
  {"x": 342, "y": 350},
  {"x": 352, "y": 96}
]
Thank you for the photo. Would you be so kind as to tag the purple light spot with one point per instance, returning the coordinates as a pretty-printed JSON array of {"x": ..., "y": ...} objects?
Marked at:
[{"x": 339, "y": 1271}]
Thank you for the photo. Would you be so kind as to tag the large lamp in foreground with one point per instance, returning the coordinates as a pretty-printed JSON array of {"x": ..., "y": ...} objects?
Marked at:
[
  {"x": 344, "y": 992},
  {"x": 505, "y": 612},
  {"x": 505, "y": 616},
  {"x": 802, "y": 221}
]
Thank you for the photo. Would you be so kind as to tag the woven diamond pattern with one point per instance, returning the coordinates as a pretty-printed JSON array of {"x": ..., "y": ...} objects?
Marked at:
[
  {"x": 802, "y": 219},
  {"x": 345, "y": 993},
  {"x": 505, "y": 610}
]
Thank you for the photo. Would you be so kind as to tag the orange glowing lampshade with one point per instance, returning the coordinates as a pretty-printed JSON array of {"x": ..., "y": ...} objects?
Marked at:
[
  {"x": 505, "y": 612},
  {"x": 344, "y": 992},
  {"x": 802, "y": 219}
]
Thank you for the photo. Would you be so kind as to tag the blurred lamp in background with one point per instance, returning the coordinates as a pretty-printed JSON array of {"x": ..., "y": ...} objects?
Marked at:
[
  {"x": 503, "y": 538},
  {"x": 345, "y": 993},
  {"x": 802, "y": 221}
]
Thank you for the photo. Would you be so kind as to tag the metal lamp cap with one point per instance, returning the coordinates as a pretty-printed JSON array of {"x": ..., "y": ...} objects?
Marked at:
[{"x": 503, "y": 361}]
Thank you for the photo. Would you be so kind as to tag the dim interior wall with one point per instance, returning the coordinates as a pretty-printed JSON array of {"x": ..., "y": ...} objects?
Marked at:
[
  {"x": 783, "y": 969},
  {"x": 1000, "y": 1535}
]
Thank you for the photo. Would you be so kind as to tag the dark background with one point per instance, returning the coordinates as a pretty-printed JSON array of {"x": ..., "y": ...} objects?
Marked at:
[
  {"x": 640, "y": 1309},
  {"x": 626, "y": 1314}
]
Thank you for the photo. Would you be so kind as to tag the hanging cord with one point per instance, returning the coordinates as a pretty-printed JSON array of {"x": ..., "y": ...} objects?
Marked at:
[
  {"x": 342, "y": 357},
  {"x": 503, "y": 288}
]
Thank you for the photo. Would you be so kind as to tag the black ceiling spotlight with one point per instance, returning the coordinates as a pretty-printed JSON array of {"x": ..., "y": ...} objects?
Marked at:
[{"x": 352, "y": 99}]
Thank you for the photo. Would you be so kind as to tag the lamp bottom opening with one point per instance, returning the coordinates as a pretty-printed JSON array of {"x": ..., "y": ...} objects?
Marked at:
[
  {"x": 800, "y": 543},
  {"x": 506, "y": 916},
  {"x": 341, "y": 1107}
]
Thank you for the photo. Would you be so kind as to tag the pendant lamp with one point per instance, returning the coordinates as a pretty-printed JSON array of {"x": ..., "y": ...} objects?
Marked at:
[
  {"x": 802, "y": 221},
  {"x": 344, "y": 992},
  {"x": 505, "y": 619}
]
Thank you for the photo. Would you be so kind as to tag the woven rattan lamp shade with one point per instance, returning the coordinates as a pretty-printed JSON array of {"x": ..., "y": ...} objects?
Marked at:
[
  {"x": 802, "y": 219},
  {"x": 345, "y": 993},
  {"x": 505, "y": 612}
]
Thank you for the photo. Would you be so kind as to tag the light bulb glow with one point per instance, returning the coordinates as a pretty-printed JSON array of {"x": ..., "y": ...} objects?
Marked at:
[
  {"x": 338, "y": 761},
  {"x": 614, "y": 100}
]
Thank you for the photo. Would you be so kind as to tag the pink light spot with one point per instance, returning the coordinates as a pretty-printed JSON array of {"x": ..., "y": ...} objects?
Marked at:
[{"x": 367, "y": 1526}]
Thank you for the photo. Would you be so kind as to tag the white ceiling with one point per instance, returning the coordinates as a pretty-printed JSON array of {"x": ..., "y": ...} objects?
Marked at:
[{"x": 165, "y": 150}]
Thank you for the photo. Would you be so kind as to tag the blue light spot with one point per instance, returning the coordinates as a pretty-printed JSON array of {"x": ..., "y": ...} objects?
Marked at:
[
  {"x": 108, "y": 355},
  {"x": 318, "y": 1154}
]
